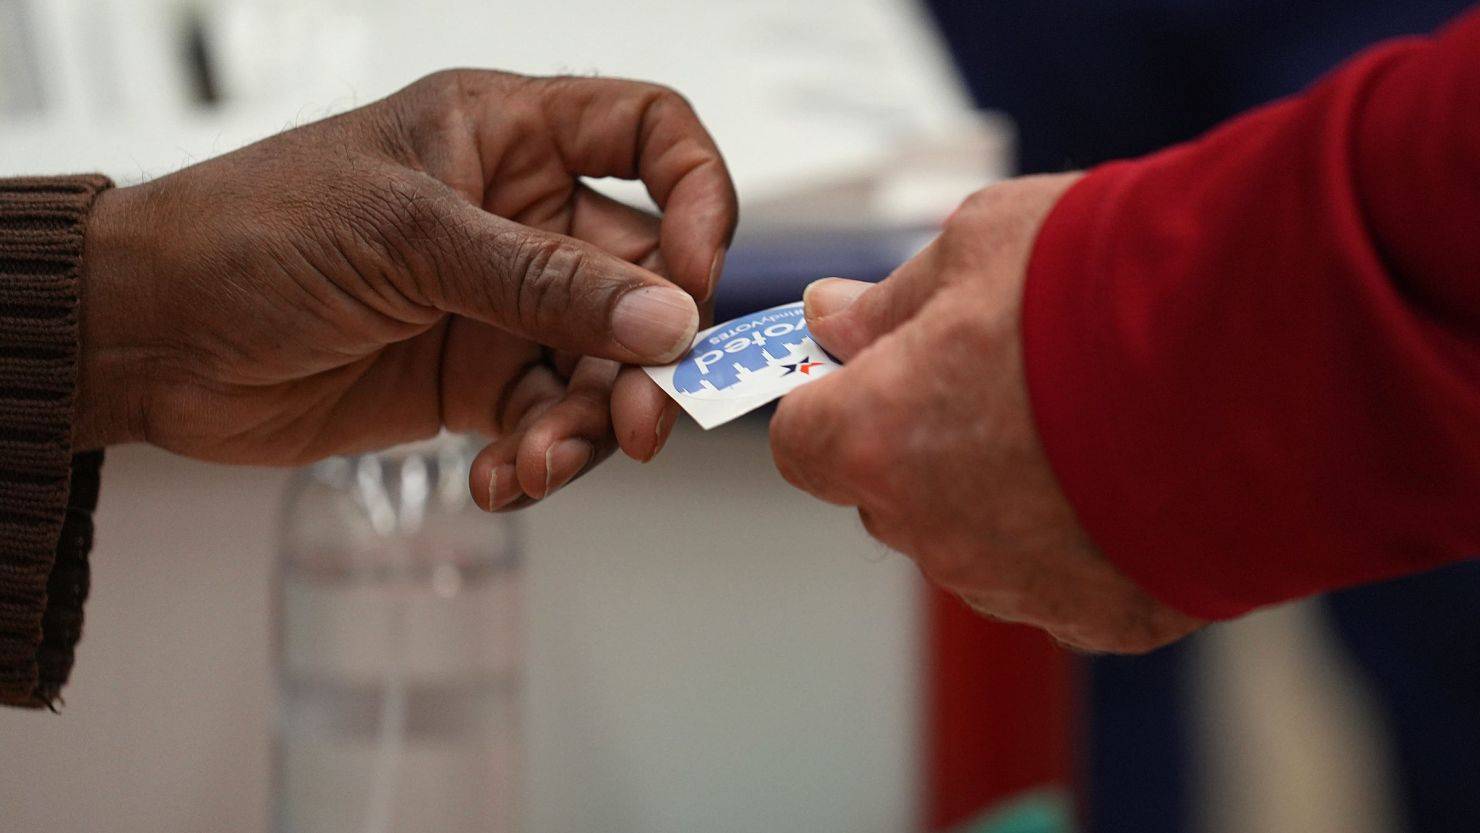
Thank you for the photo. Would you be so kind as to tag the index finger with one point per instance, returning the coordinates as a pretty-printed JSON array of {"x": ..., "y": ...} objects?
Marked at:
[{"x": 634, "y": 130}]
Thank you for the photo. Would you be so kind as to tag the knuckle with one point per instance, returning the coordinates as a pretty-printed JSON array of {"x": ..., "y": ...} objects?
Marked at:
[
  {"x": 987, "y": 603},
  {"x": 993, "y": 225},
  {"x": 665, "y": 97},
  {"x": 454, "y": 87},
  {"x": 792, "y": 443},
  {"x": 443, "y": 102},
  {"x": 964, "y": 216},
  {"x": 544, "y": 272},
  {"x": 974, "y": 215},
  {"x": 441, "y": 86},
  {"x": 880, "y": 530},
  {"x": 953, "y": 569},
  {"x": 820, "y": 449},
  {"x": 433, "y": 101},
  {"x": 665, "y": 104},
  {"x": 895, "y": 529},
  {"x": 439, "y": 82},
  {"x": 983, "y": 201},
  {"x": 783, "y": 431}
]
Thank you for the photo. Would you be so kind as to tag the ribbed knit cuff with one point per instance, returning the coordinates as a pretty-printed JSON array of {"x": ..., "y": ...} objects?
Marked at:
[{"x": 46, "y": 495}]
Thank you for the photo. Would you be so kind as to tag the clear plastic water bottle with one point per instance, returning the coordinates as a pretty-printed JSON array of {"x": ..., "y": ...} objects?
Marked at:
[{"x": 398, "y": 649}]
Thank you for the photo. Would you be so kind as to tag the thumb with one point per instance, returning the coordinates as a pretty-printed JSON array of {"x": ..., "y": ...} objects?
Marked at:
[
  {"x": 563, "y": 293},
  {"x": 845, "y": 316}
]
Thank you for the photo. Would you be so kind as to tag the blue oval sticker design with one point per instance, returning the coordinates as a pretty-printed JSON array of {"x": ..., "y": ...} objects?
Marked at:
[
  {"x": 742, "y": 364},
  {"x": 760, "y": 347}
]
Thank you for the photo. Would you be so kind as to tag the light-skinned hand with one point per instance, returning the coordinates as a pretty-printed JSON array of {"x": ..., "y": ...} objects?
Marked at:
[{"x": 928, "y": 431}]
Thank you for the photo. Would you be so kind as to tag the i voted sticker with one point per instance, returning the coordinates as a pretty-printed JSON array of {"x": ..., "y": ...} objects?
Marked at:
[{"x": 738, "y": 366}]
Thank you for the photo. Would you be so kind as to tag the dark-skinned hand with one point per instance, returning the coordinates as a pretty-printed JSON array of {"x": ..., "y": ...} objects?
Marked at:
[{"x": 430, "y": 260}]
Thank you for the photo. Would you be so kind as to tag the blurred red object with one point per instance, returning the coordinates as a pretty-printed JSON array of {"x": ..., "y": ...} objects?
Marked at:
[{"x": 999, "y": 706}]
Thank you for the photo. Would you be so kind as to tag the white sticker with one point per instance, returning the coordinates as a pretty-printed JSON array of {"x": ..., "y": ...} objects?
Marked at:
[{"x": 740, "y": 365}]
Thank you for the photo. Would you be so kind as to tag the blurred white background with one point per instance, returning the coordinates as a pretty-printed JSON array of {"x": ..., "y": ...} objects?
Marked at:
[{"x": 797, "y": 94}]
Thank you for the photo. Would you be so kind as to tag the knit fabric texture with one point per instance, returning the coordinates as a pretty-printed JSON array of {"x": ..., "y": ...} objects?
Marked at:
[{"x": 47, "y": 494}]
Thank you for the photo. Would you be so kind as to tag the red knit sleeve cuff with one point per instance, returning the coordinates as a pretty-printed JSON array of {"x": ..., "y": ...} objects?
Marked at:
[{"x": 1076, "y": 374}]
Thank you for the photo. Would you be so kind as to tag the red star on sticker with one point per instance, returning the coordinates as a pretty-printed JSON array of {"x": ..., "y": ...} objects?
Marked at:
[{"x": 805, "y": 366}]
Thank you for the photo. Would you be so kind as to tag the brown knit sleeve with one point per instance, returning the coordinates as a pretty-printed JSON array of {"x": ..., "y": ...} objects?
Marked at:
[{"x": 46, "y": 493}]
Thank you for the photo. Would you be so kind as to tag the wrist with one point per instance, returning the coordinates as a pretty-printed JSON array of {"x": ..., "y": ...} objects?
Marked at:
[{"x": 113, "y": 321}]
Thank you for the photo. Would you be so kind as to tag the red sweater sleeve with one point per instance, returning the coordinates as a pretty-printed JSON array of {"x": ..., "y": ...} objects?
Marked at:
[{"x": 1254, "y": 359}]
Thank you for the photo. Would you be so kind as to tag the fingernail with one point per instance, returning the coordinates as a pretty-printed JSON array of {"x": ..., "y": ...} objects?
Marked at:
[
  {"x": 503, "y": 485},
  {"x": 830, "y": 296},
  {"x": 715, "y": 268},
  {"x": 659, "y": 437},
  {"x": 567, "y": 457},
  {"x": 655, "y": 322}
]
